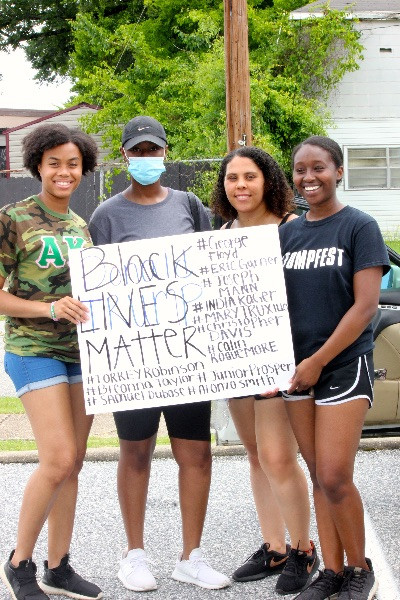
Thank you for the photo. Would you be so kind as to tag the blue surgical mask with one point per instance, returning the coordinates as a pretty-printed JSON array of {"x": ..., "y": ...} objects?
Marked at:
[{"x": 146, "y": 169}]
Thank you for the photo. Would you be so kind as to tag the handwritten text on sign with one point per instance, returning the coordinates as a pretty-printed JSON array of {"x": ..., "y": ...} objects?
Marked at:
[{"x": 184, "y": 318}]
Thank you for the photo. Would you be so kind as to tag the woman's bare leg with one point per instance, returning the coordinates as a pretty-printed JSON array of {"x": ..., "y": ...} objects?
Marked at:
[
  {"x": 268, "y": 510},
  {"x": 277, "y": 452},
  {"x": 62, "y": 513},
  {"x": 133, "y": 482},
  {"x": 49, "y": 412}
]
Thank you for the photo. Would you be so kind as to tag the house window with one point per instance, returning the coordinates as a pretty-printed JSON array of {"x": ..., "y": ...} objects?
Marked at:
[
  {"x": 2, "y": 160},
  {"x": 373, "y": 168}
]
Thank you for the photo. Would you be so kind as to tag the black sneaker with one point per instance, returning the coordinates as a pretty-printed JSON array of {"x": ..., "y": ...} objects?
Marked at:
[
  {"x": 21, "y": 581},
  {"x": 326, "y": 585},
  {"x": 64, "y": 580},
  {"x": 263, "y": 563},
  {"x": 358, "y": 584},
  {"x": 298, "y": 572}
]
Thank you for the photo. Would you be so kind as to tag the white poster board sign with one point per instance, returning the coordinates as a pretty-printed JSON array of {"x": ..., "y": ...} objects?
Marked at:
[{"x": 183, "y": 318}]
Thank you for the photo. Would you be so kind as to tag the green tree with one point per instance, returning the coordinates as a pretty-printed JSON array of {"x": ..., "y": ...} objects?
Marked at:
[
  {"x": 44, "y": 28},
  {"x": 170, "y": 64},
  {"x": 166, "y": 58}
]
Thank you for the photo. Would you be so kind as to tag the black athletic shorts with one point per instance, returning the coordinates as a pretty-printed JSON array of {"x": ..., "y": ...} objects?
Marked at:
[
  {"x": 343, "y": 383},
  {"x": 189, "y": 421}
]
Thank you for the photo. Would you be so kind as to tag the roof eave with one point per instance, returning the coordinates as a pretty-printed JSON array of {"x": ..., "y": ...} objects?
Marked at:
[
  {"x": 361, "y": 16},
  {"x": 51, "y": 115}
]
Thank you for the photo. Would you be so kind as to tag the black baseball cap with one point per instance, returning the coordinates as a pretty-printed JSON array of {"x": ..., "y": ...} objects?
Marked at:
[{"x": 143, "y": 129}]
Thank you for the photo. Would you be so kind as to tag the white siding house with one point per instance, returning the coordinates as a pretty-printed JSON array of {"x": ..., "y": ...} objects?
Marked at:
[
  {"x": 69, "y": 117},
  {"x": 366, "y": 111},
  {"x": 11, "y": 117}
]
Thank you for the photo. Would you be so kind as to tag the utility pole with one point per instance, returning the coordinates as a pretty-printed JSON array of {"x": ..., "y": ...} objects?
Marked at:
[{"x": 238, "y": 110}]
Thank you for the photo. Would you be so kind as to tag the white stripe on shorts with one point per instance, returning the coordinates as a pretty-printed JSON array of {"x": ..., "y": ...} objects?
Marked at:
[{"x": 336, "y": 399}]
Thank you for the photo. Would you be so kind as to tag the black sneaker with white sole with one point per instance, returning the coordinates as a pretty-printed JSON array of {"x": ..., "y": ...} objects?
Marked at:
[
  {"x": 21, "y": 581},
  {"x": 298, "y": 572},
  {"x": 63, "y": 580},
  {"x": 325, "y": 587},
  {"x": 358, "y": 583},
  {"x": 263, "y": 563}
]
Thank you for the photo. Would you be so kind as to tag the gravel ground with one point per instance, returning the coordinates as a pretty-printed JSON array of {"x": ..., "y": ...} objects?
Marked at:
[{"x": 231, "y": 530}]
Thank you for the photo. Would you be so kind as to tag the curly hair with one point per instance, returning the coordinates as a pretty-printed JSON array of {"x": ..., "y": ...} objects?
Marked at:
[
  {"x": 332, "y": 147},
  {"x": 278, "y": 195},
  {"x": 46, "y": 137}
]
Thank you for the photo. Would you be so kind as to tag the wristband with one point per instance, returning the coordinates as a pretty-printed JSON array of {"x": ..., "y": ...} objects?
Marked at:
[{"x": 53, "y": 312}]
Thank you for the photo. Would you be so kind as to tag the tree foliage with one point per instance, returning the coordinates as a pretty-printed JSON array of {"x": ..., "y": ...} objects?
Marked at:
[
  {"x": 165, "y": 58},
  {"x": 44, "y": 29}
]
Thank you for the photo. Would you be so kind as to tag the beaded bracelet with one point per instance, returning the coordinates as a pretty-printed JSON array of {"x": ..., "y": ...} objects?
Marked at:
[{"x": 53, "y": 312}]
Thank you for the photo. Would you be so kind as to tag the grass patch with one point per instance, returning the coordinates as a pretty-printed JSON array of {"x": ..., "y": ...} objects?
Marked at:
[
  {"x": 93, "y": 442},
  {"x": 395, "y": 244},
  {"x": 392, "y": 239},
  {"x": 10, "y": 406},
  {"x": 99, "y": 442},
  {"x": 17, "y": 445}
]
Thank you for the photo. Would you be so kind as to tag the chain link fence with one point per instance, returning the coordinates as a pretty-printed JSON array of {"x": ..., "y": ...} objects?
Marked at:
[{"x": 198, "y": 176}]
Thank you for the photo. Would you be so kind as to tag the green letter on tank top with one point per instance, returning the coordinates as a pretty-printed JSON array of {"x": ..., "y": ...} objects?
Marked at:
[
  {"x": 73, "y": 241},
  {"x": 51, "y": 253}
]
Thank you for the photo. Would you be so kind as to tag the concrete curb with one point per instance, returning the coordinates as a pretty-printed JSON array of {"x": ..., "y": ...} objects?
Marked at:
[
  {"x": 112, "y": 454},
  {"x": 164, "y": 451}
]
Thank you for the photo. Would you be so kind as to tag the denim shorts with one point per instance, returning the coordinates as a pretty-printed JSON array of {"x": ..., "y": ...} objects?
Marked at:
[{"x": 29, "y": 373}]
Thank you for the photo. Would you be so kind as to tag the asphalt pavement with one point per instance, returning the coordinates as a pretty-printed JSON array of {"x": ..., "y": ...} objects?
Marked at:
[{"x": 231, "y": 530}]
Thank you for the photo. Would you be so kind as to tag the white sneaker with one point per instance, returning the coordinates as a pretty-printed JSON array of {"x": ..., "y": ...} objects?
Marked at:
[
  {"x": 134, "y": 572},
  {"x": 196, "y": 570}
]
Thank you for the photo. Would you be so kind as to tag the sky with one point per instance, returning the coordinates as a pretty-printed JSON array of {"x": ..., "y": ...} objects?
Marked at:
[{"x": 19, "y": 90}]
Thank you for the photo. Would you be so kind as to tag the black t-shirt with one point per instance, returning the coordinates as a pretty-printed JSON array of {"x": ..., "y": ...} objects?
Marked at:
[{"x": 320, "y": 259}]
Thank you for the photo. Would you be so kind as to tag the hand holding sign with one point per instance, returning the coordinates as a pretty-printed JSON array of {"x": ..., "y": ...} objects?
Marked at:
[{"x": 182, "y": 318}]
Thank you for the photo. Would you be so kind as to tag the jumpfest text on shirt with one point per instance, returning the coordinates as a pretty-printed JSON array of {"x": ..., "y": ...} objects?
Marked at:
[{"x": 308, "y": 259}]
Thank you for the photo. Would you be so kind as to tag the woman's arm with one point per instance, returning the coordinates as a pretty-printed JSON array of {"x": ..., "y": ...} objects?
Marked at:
[
  {"x": 65, "y": 308},
  {"x": 366, "y": 285}
]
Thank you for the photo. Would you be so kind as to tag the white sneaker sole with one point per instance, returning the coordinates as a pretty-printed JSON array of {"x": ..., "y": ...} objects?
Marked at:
[
  {"x": 135, "y": 588},
  {"x": 373, "y": 590},
  {"x": 6, "y": 582},
  {"x": 186, "y": 578}
]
